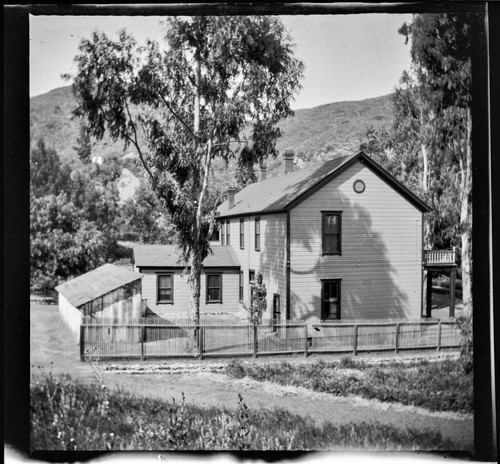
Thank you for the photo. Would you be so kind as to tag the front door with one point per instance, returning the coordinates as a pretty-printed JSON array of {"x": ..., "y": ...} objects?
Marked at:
[{"x": 276, "y": 310}]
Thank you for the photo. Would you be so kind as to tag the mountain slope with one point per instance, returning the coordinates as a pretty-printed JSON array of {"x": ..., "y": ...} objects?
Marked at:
[{"x": 315, "y": 133}]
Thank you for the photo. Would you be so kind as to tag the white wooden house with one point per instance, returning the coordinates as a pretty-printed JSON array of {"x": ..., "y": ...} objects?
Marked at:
[{"x": 337, "y": 241}]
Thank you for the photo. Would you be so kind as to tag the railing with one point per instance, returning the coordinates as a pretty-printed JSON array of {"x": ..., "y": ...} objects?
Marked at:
[
  {"x": 440, "y": 256},
  {"x": 142, "y": 339}
]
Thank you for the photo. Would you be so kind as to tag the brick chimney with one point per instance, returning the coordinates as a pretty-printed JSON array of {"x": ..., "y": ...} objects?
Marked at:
[
  {"x": 231, "y": 192},
  {"x": 263, "y": 173},
  {"x": 288, "y": 158}
]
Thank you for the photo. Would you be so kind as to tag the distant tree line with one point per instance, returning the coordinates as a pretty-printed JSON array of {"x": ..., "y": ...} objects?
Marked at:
[{"x": 76, "y": 218}]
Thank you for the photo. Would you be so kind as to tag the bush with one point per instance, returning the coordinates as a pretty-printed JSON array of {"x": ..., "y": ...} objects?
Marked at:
[{"x": 235, "y": 369}]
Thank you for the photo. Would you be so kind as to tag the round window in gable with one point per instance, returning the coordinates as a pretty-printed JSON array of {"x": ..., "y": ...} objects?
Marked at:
[{"x": 359, "y": 186}]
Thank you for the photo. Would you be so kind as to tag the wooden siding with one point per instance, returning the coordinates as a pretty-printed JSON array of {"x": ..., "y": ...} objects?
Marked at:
[
  {"x": 380, "y": 262},
  {"x": 230, "y": 289},
  {"x": 270, "y": 260},
  {"x": 72, "y": 316},
  {"x": 122, "y": 303}
]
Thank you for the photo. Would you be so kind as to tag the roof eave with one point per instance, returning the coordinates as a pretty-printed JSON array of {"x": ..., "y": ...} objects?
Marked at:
[{"x": 252, "y": 213}]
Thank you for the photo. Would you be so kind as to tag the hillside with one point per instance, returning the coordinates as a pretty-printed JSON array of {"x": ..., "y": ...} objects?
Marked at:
[{"x": 315, "y": 133}]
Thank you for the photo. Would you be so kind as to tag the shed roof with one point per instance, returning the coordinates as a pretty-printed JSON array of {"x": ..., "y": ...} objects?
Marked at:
[
  {"x": 97, "y": 283},
  {"x": 277, "y": 194},
  {"x": 170, "y": 256}
]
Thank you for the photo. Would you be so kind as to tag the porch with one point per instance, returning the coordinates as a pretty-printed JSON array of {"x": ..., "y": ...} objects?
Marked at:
[{"x": 440, "y": 261}]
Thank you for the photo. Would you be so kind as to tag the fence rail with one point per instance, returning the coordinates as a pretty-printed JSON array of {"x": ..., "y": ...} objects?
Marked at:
[{"x": 143, "y": 339}]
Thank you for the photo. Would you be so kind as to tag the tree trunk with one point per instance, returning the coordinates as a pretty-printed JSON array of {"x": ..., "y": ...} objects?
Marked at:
[
  {"x": 466, "y": 220},
  {"x": 195, "y": 287}
]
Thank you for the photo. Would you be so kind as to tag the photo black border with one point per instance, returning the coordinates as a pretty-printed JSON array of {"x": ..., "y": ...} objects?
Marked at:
[{"x": 16, "y": 195}]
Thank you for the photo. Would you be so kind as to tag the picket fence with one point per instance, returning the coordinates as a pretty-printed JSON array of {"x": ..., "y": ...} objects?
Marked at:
[{"x": 155, "y": 339}]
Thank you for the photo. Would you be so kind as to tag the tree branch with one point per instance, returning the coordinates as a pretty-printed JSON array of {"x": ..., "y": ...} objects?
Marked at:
[
  {"x": 184, "y": 123},
  {"x": 135, "y": 142}
]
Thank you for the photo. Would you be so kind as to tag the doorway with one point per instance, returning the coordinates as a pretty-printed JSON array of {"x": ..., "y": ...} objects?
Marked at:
[{"x": 276, "y": 310}]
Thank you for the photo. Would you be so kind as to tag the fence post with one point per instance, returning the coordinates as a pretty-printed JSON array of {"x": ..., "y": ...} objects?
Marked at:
[
  {"x": 255, "y": 340},
  {"x": 143, "y": 337},
  {"x": 200, "y": 341},
  {"x": 396, "y": 338},
  {"x": 306, "y": 342},
  {"x": 355, "y": 340},
  {"x": 82, "y": 342},
  {"x": 439, "y": 337}
]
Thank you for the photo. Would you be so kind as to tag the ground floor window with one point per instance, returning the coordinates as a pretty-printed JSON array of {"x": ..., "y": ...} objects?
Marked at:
[
  {"x": 330, "y": 299},
  {"x": 214, "y": 288},
  {"x": 241, "y": 285},
  {"x": 165, "y": 288}
]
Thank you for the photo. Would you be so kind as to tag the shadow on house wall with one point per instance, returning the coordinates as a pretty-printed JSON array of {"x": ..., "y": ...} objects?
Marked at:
[{"x": 371, "y": 287}]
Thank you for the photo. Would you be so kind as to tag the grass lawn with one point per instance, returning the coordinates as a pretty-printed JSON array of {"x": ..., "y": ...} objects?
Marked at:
[
  {"x": 437, "y": 386},
  {"x": 68, "y": 415}
]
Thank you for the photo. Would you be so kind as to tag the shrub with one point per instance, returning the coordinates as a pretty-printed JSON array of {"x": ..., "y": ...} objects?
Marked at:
[{"x": 235, "y": 369}]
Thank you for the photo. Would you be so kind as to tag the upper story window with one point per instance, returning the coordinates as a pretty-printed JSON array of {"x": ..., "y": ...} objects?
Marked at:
[
  {"x": 214, "y": 288},
  {"x": 242, "y": 234},
  {"x": 222, "y": 233},
  {"x": 165, "y": 288},
  {"x": 215, "y": 237},
  {"x": 228, "y": 233},
  {"x": 331, "y": 236},
  {"x": 257, "y": 234}
]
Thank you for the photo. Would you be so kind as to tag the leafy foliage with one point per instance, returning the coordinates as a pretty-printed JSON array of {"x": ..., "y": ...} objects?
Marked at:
[
  {"x": 47, "y": 175},
  {"x": 143, "y": 219},
  {"x": 73, "y": 218},
  {"x": 438, "y": 386},
  {"x": 193, "y": 103},
  {"x": 258, "y": 302},
  {"x": 69, "y": 415},
  {"x": 62, "y": 243}
]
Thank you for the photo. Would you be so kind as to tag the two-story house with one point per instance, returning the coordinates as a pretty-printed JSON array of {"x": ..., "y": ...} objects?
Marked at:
[{"x": 338, "y": 241}]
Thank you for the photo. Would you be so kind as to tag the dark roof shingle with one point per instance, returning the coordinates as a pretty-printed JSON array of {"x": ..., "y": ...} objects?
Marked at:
[
  {"x": 170, "y": 256},
  {"x": 96, "y": 283},
  {"x": 278, "y": 193}
]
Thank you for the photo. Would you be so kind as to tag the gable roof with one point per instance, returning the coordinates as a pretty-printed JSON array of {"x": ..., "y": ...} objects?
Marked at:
[
  {"x": 170, "y": 256},
  {"x": 277, "y": 194},
  {"x": 97, "y": 283}
]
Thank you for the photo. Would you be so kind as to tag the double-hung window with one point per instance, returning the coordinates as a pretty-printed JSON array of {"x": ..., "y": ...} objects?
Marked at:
[
  {"x": 242, "y": 233},
  {"x": 165, "y": 288},
  {"x": 223, "y": 233},
  {"x": 331, "y": 233},
  {"x": 257, "y": 234},
  {"x": 214, "y": 288},
  {"x": 241, "y": 285},
  {"x": 228, "y": 233},
  {"x": 330, "y": 299}
]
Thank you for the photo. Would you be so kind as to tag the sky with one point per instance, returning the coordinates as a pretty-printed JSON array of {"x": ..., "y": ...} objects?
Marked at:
[{"x": 347, "y": 57}]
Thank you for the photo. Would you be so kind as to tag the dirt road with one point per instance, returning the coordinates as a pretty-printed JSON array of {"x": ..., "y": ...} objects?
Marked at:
[{"x": 52, "y": 342}]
